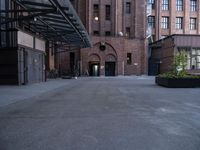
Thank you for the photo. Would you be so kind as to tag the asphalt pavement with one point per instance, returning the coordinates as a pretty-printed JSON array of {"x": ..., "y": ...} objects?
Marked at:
[{"x": 116, "y": 113}]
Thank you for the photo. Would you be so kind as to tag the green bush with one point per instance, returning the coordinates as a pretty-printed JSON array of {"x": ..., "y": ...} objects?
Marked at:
[
  {"x": 179, "y": 67},
  {"x": 180, "y": 63},
  {"x": 173, "y": 75}
]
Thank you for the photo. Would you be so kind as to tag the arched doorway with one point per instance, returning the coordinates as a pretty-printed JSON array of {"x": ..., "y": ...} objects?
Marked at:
[
  {"x": 110, "y": 65},
  {"x": 94, "y": 65}
]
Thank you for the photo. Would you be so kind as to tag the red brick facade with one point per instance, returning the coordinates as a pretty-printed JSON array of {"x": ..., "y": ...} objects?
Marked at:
[
  {"x": 119, "y": 43},
  {"x": 185, "y": 31},
  {"x": 116, "y": 48},
  {"x": 158, "y": 32}
]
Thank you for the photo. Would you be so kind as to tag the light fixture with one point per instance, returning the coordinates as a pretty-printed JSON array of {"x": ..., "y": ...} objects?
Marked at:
[
  {"x": 35, "y": 19},
  {"x": 102, "y": 46},
  {"x": 96, "y": 18},
  {"x": 120, "y": 33}
]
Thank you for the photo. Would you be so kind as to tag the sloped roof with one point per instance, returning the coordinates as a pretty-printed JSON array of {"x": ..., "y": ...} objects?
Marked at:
[{"x": 56, "y": 20}]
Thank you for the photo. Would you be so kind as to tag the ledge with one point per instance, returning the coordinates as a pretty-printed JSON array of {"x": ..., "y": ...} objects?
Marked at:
[{"x": 178, "y": 82}]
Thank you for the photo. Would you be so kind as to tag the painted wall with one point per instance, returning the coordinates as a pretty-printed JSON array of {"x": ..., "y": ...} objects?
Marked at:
[
  {"x": 31, "y": 60},
  {"x": 25, "y": 39}
]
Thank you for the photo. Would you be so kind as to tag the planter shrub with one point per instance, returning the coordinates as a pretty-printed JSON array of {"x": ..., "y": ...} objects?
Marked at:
[{"x": 178, "y": 77}]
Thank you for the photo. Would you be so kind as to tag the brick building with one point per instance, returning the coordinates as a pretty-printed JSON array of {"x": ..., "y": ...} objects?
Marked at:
[
  {"x": 173, "y": 17},
  {"x": 164, "y": 50},
  {"x": 169, "y": 17},
  {"x": 118, "y": 34}
]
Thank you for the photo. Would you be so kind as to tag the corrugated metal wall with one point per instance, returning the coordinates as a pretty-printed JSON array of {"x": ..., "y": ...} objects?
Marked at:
[{"x": 31, "y": 66}]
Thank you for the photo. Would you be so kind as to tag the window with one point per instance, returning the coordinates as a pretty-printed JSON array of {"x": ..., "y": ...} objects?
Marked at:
[
  {"x": 72, "y": 61},
  {"x": 3, "y": 27},
  {"x": 165, "y": 4},
  {"x": 96, "y": 33},
  {"x": 179, "y": 23},
  {"x": 128, "y": 7},
  {"x": 2, "y": 5},
  {"x": 193, "y": 56},
  {"x": 108, "y": 12},
  {"x": 152, "y": 3},
  {"x": 108, "y": 33},
  {"x": 179, "y": 5},
  {"x": 193, "y": 5},
  {"x": 193, "y": 23},
  {"x": 129, "y": 58},
  {"x": 151, "y": 21},
  {"x": 96, "y": 12},
  {"x": 128, "y": 31},
  {"x": 165, "y": 23}
]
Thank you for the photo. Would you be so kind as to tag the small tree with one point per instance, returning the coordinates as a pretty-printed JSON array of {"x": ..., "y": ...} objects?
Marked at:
[{"x": 180, "y": 63}]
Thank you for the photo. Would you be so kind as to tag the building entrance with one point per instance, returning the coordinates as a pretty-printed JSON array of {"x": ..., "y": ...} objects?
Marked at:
[
  {"x": 94, "y": 69},
  {"x": 110, "y": 69},
  {"x": 154, "y": 67}
]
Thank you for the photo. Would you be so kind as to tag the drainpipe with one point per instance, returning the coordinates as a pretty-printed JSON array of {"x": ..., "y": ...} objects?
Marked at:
[{"x": 123, "y": 68}]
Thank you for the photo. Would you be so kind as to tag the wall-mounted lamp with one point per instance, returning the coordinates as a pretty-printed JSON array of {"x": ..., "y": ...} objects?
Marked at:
[
  {"x": 102, "y": 46},
  {"x": 96, "y": 18}
]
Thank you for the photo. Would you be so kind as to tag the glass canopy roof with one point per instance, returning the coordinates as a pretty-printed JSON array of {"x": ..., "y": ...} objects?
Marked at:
[{"x": 56, "y": 20}]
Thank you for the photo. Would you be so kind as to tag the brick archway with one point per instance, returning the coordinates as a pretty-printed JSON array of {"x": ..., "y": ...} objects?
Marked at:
[
  {"x": 94, "y": 57},
  {"x": 111, "y": 58}
]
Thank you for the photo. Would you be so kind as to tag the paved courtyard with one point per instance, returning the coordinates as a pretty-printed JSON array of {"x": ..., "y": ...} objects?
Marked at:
[{"x": 119, "y": 113}]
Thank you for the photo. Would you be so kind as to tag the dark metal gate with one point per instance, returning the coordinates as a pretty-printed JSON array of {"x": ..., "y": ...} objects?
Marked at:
[
  {"x": 110, "y": 69},
  {"x": 154, "y": 67}
]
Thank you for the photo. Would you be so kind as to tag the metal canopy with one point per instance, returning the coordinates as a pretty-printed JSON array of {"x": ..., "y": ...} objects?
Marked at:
[{"x": 56, "y": 20}]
